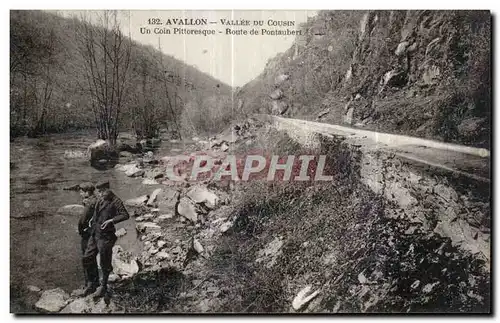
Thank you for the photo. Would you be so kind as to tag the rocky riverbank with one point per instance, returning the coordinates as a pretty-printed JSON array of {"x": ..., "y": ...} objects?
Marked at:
[
  {"x": 334, "y": 247},
  {"x": 178, "y": 223}
]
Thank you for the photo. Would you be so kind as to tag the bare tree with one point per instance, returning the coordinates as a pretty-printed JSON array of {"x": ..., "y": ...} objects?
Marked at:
[
  {"x": 106, "y": 58},
  {"x": 33, "y": 58}
]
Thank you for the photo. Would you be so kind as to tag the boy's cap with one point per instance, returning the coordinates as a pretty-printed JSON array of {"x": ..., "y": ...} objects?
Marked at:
[
  {"x": 87, "y": 187},
  {"x": 102, "y": 185}
]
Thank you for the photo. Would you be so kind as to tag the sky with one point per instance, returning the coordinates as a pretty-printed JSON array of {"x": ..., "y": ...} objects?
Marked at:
[{"x": 233, "y": 59}]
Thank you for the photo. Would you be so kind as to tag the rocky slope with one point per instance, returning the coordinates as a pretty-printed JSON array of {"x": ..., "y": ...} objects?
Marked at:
[{"x": 422, "y": 73}]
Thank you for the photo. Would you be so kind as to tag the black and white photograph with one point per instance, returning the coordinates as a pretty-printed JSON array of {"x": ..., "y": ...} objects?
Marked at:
[{"x": 296, "y": 162}]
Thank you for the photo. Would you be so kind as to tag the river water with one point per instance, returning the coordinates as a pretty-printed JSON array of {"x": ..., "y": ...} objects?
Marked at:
[{"x": 44, "y": 246}]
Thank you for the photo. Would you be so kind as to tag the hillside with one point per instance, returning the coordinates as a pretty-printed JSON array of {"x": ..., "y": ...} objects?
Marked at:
[
  {"x": 48, "y": 84},
  {"x": 420, "y": 73}
]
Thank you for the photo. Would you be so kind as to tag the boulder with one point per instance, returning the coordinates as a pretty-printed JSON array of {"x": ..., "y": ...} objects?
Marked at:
[
  {"x": 201, "y": 195},
  {"x": 281, "y": 78},
  {"x": 72, "y": 209},
  {"x": 138, "y": 201},
  {"x": 162, "y": 255},
  {"x": 226, "y": 226},
  {"x": 395, "y": 78},
  {"x": 276, "y": 94},
  {"x": 270, "y": 253},
  {"x": 149, "y": 181},
  {"x": 187, "y": 209},
  {"x": 113, "y": 278},
  {"x": 101, "y": 150},
  {"x": 148, "y": 216},
  {"x": 164, "y": 217},
  {"x": 79, "y": 306},
  {"x": 134, "y": 172},
  {"x": 126, "y": 154},
  {"x": 152, "y": 197},
  {"x": 125, "y": 167},
  {"x": 166, "y": 200},
  {"x": 88, "y": 305},
  {"x": 124, "y": 264},
  {"x": 401, "y": 49},
  {"x": 471, "y": 127},
  {"x": 279, "y": 107},
  {"x": 155, "y": 173},
  {"x": 120, "y": 232},
  {"x": 197, "y": 246},
  {"x": 146, "y": 227},
  {"x": 52, "y": 301}
]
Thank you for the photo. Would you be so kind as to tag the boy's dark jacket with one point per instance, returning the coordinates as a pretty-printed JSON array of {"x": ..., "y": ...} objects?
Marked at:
[{"x": 99, "y": 210}]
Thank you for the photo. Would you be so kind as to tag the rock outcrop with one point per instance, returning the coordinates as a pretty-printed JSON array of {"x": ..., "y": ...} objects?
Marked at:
[{"x": 420, "y": 72}]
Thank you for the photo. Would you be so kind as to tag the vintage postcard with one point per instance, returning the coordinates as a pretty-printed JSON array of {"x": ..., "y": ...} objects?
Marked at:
[{"x": 250, "y": 161}]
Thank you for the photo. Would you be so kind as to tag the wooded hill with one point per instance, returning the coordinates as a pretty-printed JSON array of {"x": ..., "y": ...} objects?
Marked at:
[{"x": 49, "y": 90}]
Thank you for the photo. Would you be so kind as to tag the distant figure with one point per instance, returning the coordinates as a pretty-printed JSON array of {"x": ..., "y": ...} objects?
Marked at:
[{"x": 108, "y": 211}]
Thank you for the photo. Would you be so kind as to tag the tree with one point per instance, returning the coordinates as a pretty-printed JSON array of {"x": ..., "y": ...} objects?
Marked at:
[
  {"x": 106, "y": 59},
  {"x": 33, "y": 59}
]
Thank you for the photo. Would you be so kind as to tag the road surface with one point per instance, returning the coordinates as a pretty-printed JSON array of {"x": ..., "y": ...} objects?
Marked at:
[{"x": 468, "y": 161}]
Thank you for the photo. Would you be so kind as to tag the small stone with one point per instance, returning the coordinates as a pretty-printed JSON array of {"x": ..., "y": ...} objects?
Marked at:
[
  {"x": 162, "y": 255},
  {"x": 34, "y": 289},
  {"x": 134, "y": 172},
  {"x": 197, "y": 246},
  {"x": 113, "y": 277},
  {"x": 415, "y": 284},
  {"x": 149, "y": 181},
  {"x": 161, "y": 243},
  {"x": 152, "y": 197},
  {"x": 165, "y": 216},
  {"x": 121, "y": 232},
  {"x": 147, "y": 226},
  {"x": 429, "y": 287},
  {"x": 126, "y": 154},
  {"x": 138, "y": 201},
  {"x": 301, "y": 299},
  {"x": 362, "y": 278}
]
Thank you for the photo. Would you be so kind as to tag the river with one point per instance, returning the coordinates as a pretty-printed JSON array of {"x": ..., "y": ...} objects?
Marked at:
[{"x": 44, "y": 246}]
